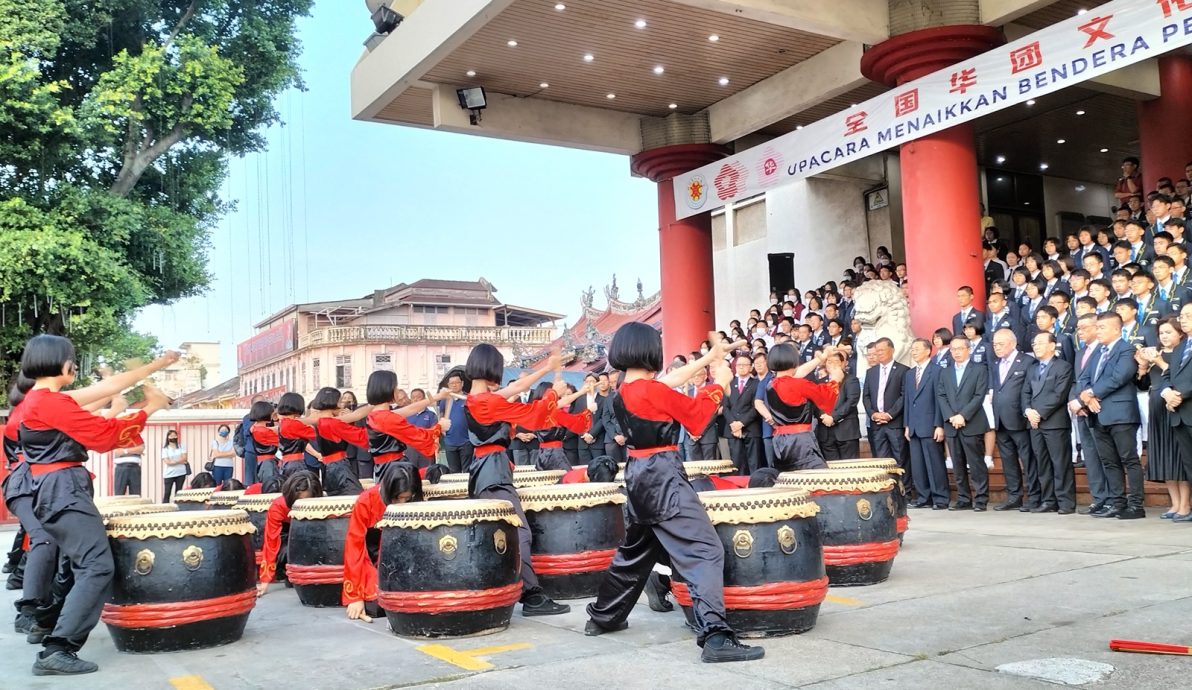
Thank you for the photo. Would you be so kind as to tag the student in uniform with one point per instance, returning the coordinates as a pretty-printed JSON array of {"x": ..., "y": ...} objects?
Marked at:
[
  {"x": 335, "y": 429},
  {"x": 295, "y": 435},
  {"x": 390, "y": 432},
  {"x": 398, "y": 483},
  {"x": 793, "y": 402},
  {"x": 303, "y": 484},
  {"x": 551, "y": 453}
]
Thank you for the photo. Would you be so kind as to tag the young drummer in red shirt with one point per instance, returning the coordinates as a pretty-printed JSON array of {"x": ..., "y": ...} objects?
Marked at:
[
  {"x": 550, "y": 441},
  {"x": 388, "y": 429},
  {"x": 335, "y": 430},
  {"x": 399, "y": 483},
  {"x": 302, "y": 484},
  {"x": 792, "y": 402}
]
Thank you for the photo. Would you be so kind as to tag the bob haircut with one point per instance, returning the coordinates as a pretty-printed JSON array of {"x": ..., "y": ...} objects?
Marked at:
[
  {"x": 291, "y": 405},
  {"x": 271, "y": 485},
  {"x": 485, "y": 363},
  {"x": 202, "y": 480},
  {"x": 381, "y": 388},
  {"x": 783, "y": 357},
  {"x": 326, "y": 399},
  {"x": 540, "y": 390},
  {"x": 46, "y": 355},
  {"x": 636, "y": 346},
  {"x": 232, "y": 484},
  {"x": 20, "y": 387},
  {"x": 397, "y": 479},
  {"x": 602, "y": 468},
  {"x": 301, "y": 482},
  {"x": 261, "y": 411}
]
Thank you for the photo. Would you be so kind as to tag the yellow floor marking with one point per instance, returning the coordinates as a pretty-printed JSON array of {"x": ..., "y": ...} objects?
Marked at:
[
  {"x": 190, "y": 683},
  {"x": 847, "y": 601},
  {"x": 465, "y": 659}
]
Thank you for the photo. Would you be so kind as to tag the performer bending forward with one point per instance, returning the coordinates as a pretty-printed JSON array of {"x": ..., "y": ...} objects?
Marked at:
[
  {"x": 664, "y": 513},
  {"x": 793, "y": 402}
]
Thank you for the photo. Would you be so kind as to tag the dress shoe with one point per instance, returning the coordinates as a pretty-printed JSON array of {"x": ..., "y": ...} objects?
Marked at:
[
  {"x": 924, "y": 504},
  {"x": 1133, "y": 514},
  {"x": 1044, "y": 509},
  {"x": 1187, "y": 517},
  {"x": 979, "y": 509},
  {"x": 961, "y": 506},
  {"x": 1107, "y": 512},
  {"x": 538, "y": 604},
  {"x": 1008, "y": 505},
  {"x": 1094, "y": 508},
  {"x": 1065, "y": 511},
  {"x": 1025, "y": 508}
]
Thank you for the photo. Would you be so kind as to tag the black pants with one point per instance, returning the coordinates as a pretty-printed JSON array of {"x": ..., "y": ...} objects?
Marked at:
[
  {"x": 744, "y": 453},
  {"x": 929, "y": 471},
  {"x": 886, "y": 441},
  {"x": 1118, "y": 452},
  {"x": 63, "y": 505},
  {"x": 339, "y": 479},
  {"x": 40, "y": 560},
  {"x": 666, "y": 521},
  {"x": 127, "y": 479},
  {"x": 250, "y": 470},
  {"x": 293, "y": 467},
  {"x": 1018, "y": 466},
  {"x": 459, "y": 457},
  {"x": 587, "y": 451},
  {"x": 968, "y": 460},
  {"x": 614, "y": 450},
  {"x": 797, "y": 452},
  {"x": 170, "y": 485},
  {"x": 524, "y": 536},
  {"x": 1093, "y": 468},
  {"x": 839, "y": 449},
  {"x": 268, "y": 469},
  {"x": 365, "y": 469},
  {"x": 1053, "y": 458}
]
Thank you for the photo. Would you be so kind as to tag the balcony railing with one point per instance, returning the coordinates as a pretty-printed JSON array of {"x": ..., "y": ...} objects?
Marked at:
[{"x": 500, "y": 335}]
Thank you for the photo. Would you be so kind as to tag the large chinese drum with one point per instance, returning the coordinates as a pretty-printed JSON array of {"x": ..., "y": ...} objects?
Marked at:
[
  {"x": 257, "y": 507},
  {"x": 857, "y": 519},
  {"x": 444, "y": 492},
  {"x": 576, "y": 531},
  {"x": 101, "y": 501},
  {"x": 192, "y": 499},
  {"x": 521, "y": 479},
  {"x": 184, "y": 580},
  {"x": 224, "y": 500},
  {"x": 890, "y": 465},
  {"x": 449, "y": 568},
  {"x": 318, "y": 531}
]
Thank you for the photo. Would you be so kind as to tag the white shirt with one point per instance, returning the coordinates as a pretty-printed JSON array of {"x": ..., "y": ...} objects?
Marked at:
[
  {"x": 222, "y": 446},
  {"x": 168, "y": 471}
]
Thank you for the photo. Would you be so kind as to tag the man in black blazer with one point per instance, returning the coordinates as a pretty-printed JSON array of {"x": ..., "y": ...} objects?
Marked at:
[
  {"x": 924, "y": 428},
  {"x": 1086, "y": 357},
  {"x": 839, "y": 430},
  {"x": 1107, "y": 389},
  {"x": 1043, "y": 404},
  {"x": 614, "y": 439},
  {"x": 1008, "y": 373},
  {"x": 883, "y": 403},
  {"x": 968, "y": 313},
  {"x": 960, "y": 393},
  {"x": 742, "y": 422},
  {"x": 1178, "y": 391},
  {"x": 591, "y": 444},
  {"x": 1001, "y": 315}
]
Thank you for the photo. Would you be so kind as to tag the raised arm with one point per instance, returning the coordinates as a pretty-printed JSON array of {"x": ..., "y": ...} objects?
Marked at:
[
  {"x": 114, "y": 385},
  {"x": 718, "y": 351},
  {"x": 516, "y": 388}
]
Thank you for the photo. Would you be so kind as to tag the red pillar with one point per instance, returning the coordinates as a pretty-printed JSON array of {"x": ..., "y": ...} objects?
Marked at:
[
  {"x": 939, "y": 176},
  {"x": 1164, "y": 138},
  {"x": 685, "y": 248}
]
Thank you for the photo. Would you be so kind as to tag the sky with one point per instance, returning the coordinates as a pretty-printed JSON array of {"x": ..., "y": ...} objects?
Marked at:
[{"x": 335, "y": 209}]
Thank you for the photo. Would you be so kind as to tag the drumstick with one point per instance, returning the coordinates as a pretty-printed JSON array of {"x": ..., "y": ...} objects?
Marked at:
[{"x": 1149, "y": 647}]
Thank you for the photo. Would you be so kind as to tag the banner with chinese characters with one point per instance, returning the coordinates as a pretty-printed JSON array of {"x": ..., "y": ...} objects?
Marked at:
[{"x": 1099, "y": 41}]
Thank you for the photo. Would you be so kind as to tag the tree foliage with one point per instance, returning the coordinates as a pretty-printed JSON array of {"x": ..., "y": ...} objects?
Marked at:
[{"x": 117, "y": 118}]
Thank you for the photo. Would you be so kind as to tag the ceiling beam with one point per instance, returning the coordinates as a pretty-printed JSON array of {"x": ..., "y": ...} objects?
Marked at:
[
  {"x": 866, "y": 21},
  {"x": 835, "y": 71},
  {"x": 1139, "y": 81},
  {"x": 998, "y": 12},
  {"x": 432, "y": 32}
]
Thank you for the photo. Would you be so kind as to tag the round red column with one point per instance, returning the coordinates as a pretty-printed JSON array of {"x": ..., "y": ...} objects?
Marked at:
[
  {"x": 1165, "y": 142},
  {"x": 685, "y": 248},
  {"x": 940, "y": 196}
]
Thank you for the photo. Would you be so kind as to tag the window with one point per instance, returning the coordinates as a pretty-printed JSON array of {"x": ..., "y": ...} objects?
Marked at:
[
  {"x": 315, "y": 380},
  {"x": 303, "y": 379},
  {"x": 383, "y": 362},
  {"x": 427, "y": 309},
  {"x": 343, "y": 371}
]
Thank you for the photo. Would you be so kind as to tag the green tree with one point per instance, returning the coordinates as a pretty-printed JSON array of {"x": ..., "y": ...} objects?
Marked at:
[{"x": 117, "y": 118}]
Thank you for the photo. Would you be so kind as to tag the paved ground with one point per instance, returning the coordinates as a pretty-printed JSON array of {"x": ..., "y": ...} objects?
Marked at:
[{"x": 970, "y": 592}]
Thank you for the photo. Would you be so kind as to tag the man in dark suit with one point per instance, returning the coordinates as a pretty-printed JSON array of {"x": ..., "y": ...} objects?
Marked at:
[
  {"x": 1008, "y": 373},
  {"x": 883, "y": 403},
  {"x": 742, "y": 422},
  {"x": 1178, "y": 394},
  {"x": 839, "y": 430},
  {"x": 614, "y": 438},
  {"x": 960, "y": 393},
  {"x": 1043, "y": 398},
  {"x": 924, "y": 431},
  {"x": 1108, "y": 391},
  {"x": 1086, "y": 357},
  {"x": 968, "y": 313},
  {"x": 1001, "y": 315},
  {"x": 591, "y": 444}
]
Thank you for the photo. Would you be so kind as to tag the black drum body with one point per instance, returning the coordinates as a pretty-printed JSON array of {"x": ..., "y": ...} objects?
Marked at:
[
  {"x": 257, "y": 507},
  {"x": 896, "y": 473},
  {"x": 315, "y": 565},
  {"x": 180, "y": 583},
  {"x": 192, "y": 499},
  {"x": 447, "y": 571},
  {"x": 576, "y": 530}
]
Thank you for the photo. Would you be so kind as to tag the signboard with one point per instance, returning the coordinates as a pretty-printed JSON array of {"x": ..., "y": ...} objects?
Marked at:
[
  {"x": 1089, "y": 45},
  {"x": 267, "y": 344}
]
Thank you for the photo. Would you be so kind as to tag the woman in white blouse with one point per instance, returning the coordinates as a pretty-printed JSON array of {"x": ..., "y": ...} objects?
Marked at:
[{"x": 174, "y": 459}]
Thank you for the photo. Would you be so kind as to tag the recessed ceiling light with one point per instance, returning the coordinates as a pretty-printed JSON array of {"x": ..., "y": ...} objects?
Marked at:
[
  {"x": 1043, "y": 166},
  {"x": 1026, "y": 203},
  {"x": 543, "y": 85},
  {"x": 672, "y": 106},
  {"x": 589, "y": 57},
  {"x": 1104, "y": 150},
  {"x": 658, "y": 69},
  {"x": 1080, "y": 112},
  {"x": 611, "y": 96},
  {"x": 798, "y": 127},
  {"x": 724, "y": 81},
  {"x": 511, "y": 43},
  {"x": 1080, "y": 188},
  {"x": 1001, "y": 159},
  {"x": 1001, "y": 179},
  {"x": 852, "y": 105},
  {"x": 713, "y": 38},
  {"x": 1081, "y": 11},
  {"x": 1061, "y": 141},
  {"x": 1031, "y": 102},
  {"x": 471, "y": 73},
  {"x": 641, "y": 24},
  {"x": 560, "y": 6}
]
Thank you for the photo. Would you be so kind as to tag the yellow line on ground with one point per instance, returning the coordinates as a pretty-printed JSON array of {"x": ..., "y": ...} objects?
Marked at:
[
  {"x": 467, "y": 659},
  {"x": 190, "y": 683},
  {"x": 485, "y": 651},
  {"x": 847, "y": 601}
]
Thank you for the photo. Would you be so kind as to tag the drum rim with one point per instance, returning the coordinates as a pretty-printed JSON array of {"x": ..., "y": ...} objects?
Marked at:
[
  {"x": 759, "y": 505},
  {"x": 193, "y": 495},
  {"x": 570, "y": 496},
  {"x": 256, "y": 503},
  {"x": 181, "y": 524},
  {"x": 703, "y": 468},
  {"x": 454, "y": 488},
  {"x": 444, "y": 513},
  {"x": 122, "y": 500},
  {"x": 860, "y": 479},
  {"x": 222, "y": 496},
  {"x": 322, "y": 507},
  {"x": 109, "y": 512},
  {"x": 888, "y": 464}
]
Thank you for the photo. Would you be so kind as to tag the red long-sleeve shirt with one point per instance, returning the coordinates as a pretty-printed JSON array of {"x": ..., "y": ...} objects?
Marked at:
[
  {"x": 278, "y": 515},
  {"x": 796, "y": 391},
  {"x": 425, "y": 441},
  {"x": 56, "y": 429},
  {"x": 575, "y": 423},
  {"x": 653, "y": 400},
  {"x": 490, "y": 408},
  {"x": 360, "y": 574}
]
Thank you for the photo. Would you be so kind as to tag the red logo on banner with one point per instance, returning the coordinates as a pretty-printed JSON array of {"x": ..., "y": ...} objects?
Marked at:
[
  {"x": 730, "y": 180},
  {"x": 906, "y": 103},
  {"x": 1181, "y": 5},
  {"x": 1095, "y": 28},
  {"x": 1026, "y": 57},
  {"x": 770, "y": 167},
  {"x": 963, "y": 80},
  {"x": 855, "y": 123}
]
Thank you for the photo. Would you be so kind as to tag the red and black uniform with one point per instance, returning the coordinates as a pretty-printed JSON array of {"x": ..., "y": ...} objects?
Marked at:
[
  {"x": 362, "y": 546},
  {"x": 332, "y": 439},
  {"x": 55, "y": 435},
  {"x": 490, "y": 418},
  {"x": 38, "y": 556},
  {"x": 551, "y": 455},
  {"x": 277, "y": 537},
  {"x": 389, "y": 434},
  {"x": 265, "y": 443},
  {"x": 795, "y": 403},
  {"x": 664, "y": 513},
  {"x": 292, "y": 438}
]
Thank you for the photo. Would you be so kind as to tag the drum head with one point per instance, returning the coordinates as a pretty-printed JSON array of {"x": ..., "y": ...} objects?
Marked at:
[
  {"x": 256, "y": 503},
  {"x": 758, "y": 506},
  {"x": 438, "y": 514},
  {"x": 702, "y": 468},
  {"x": 226, "y": 499},
  {"x": 193, "y": 495},
  {"x": 888, "y": 464},
  {"x": 322, "y": 508},
  {"x": 442, "y": 491},
  {"x": 570, "y": 496},
  {"x": 114, "y": 511},
  {"x": 207, "y": 523},
  {"x": 857, "y": 480},
  {"x": 101, "y": 501}
]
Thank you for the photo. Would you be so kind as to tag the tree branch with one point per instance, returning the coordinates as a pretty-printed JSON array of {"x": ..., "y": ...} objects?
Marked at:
[{"x": 186, "y": 17}]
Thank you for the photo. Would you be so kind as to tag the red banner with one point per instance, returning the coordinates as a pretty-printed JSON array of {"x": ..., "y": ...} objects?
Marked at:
[{"x": 267, "y": 344}]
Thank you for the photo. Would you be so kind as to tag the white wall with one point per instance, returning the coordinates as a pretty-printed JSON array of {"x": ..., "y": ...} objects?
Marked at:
[{"x": 1060, "y": 194}]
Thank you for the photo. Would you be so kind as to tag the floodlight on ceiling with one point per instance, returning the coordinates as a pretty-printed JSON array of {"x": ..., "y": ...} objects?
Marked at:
[{"x": 473, "y": 100}]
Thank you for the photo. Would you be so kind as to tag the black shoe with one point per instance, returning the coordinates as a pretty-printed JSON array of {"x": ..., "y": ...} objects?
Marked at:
[
  {"x": 1045, "y": 509},
  {"x": 1065, "y": 511},
  {"x": 592, "y": 628},
  {"x": 23, "y": 622},
  {"x": 979, "y": 509},
  {"x": 1107, "y": 512},
  {"x": 1008, "y": 505},
  {"x": 723, "y": 647},
  {"x": 940, "y": 507},
  {"x": 62, "y": 663},
  {"x": 657, "y": 592},
  {"x": 7, "y": 568},
  {"x": 14, "y": 583},
  {"x": 924, "y": 504},
  {"x": 1131, "y": 514},
  {"x": 36, "y": 633},
  {"x": 1026, "y": 509},
  {"x": 1092, "y": 509},
  {"x": 539, "y": 604},
  {"x": 961, "y": 506}
]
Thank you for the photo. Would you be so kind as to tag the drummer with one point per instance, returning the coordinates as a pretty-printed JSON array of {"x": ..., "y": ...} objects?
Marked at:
[
  {"x": 263, "y": 416},
  {"x": 389, "y": 430},
  {"x": 336, "y": 430},
  {"x": 295, "y": 435},
  {"x": 399, "y": 483},
  {"x": 793, "y": 402},
  {"x": 550, "y": 441},
  {"x": 664, "y": 513},
  {"x": 302, "y": 484}
]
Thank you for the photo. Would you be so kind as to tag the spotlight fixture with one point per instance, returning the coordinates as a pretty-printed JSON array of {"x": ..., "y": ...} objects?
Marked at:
[
  {"x": 560, "y": 6},
  {"x": 1000, "y": 159},
  {"x": 672, "y": 106},
  {"x": 659, "y": 69},
  {"x": 713, "y": 38},
  {"x": 798, "y": 127},
  {"x": 1043, "y": 166},
  {"x": 1031, "y": 102},
  {"x": 1104, "y": 150},
  {"x": 1080, "y": 112},
  {"x": 611, "y": 96},
  {"x": 1061, "y": 141},
  {"x": 723, "y": 81},
  {"x": 385, "y": 20},
  {"x": 473, "y": 100},
  {"x": 640, "y": 24},
  {"x": 588, "y": 57},
  {"x": 471, "y": 73},
  {"x": 511, "y": 43},
  {"x": 543, "y": 85}
]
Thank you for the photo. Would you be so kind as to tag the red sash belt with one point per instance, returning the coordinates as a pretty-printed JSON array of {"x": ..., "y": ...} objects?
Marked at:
[
  {"x": 488, "y": 449},
  {"x": 334, "y": 457},
  {"x": 291, "y": 457},
  {"x": 454, "y": 601},
  {"x": 772, "y": 596},
  {"x": 387, "y": 457},
  {"x": 791, "y": 429},
  {"x": 178, "y": 612},
  {"x": 39, "y": 469},
  {"x": 551, "y": 444},
  {"x": 647, "y": 452}
]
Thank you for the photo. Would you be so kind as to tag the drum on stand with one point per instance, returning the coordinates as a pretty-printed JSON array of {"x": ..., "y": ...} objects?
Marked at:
[
  {"x": 318, "y": 531},
  {"x": 896, "y": 473},
  {"x": 449, "y": 568},
  {"x": 184, "y": 580},
  {"x": 224, "y": 500},
  {"x": 192, "y": 499},
  {"x": 576, "y": 531},
  {"x": 101, "y": 501},
  {"x": 444, "y": 492},
  {"x": 257, "y": 507}
]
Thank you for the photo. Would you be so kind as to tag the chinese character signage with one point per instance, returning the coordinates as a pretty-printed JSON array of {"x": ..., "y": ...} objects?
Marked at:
[{"x": 267, "y": 344}]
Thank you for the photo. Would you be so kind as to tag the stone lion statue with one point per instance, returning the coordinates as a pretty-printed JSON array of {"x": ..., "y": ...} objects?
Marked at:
[{"x": 883, "y": 312}]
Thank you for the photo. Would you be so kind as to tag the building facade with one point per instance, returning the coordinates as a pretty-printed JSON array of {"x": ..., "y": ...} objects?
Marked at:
[{"x": 197, "y": 368}]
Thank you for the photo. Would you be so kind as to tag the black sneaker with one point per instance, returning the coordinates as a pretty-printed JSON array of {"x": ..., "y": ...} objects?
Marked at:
[
  {"x": 62, "y": 663},
  {"x": 657, "y": 592},
  {"x": 23, "y": 622},
  {"x": 721, "y": 648},
  {"x": 36, "y": 634},
  {"x": 592, "y": 628},
  {"x": 8, "y": 567},
  {"x": 541, "y": 605}
]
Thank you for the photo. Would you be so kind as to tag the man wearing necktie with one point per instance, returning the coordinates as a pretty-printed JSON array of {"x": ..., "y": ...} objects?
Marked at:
[
  {"x": 1108, "y": 391},
  {"x": 960, "y": 394},
  {"x": 968, "y": 313},
  {"x": 1043, "y": 399},
  {"x": 1178, "y": 392},
  {"x": 1013, "y": 436},
  {"x": 884, "y": 402},
  {"x": 1086, "y": 358},
  {"x": 924, "y": 434},
  {"x": 741, "y": 418},
  {"x": 523, "y": 448}
]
